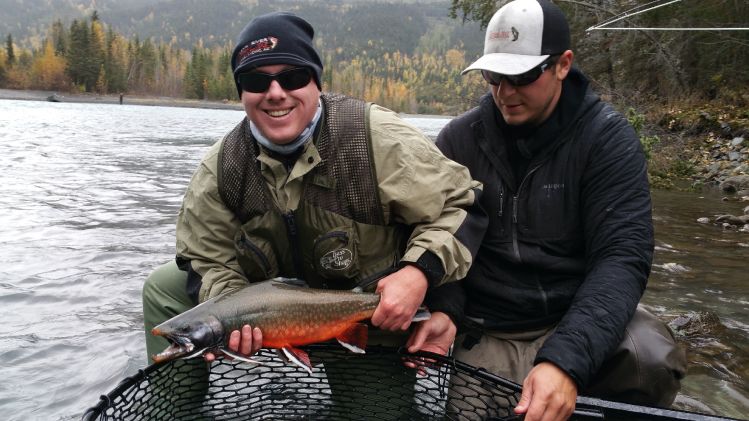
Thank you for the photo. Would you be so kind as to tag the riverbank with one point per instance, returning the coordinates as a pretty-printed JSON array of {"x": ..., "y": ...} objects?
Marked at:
[
  {"x": 705, "y": 144},
  {"x": 115, "y": 99}
]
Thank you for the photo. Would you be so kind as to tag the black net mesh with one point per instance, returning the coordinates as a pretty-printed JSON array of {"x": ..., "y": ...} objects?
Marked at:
[{"x": 342, "y": 386}]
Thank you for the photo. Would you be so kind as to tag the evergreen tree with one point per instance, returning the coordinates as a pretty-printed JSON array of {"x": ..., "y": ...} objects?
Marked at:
[
  {"x": 148, "y": 59},
  {"x": 114, "y": 65},
  {"x": 78, "y": 54},
  {"x": 59, "y": 37},
  {"x": 95, "y": 68},
  {"x": 10, "y": 56},
  {"x": 196, "y": 75}
]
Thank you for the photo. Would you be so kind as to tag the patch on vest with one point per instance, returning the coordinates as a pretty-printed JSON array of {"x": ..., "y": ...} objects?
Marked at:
[{"x": 337, "y": 259}]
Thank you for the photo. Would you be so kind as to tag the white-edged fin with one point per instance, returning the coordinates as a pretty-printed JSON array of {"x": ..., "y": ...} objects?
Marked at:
[
  {"x": 194, "y": 354},
  {"x": 422, "y": 313},
  {"x": 298, "y": 357},
  {"x": 240, "y": 357},
  {"x": 351, "y": 347}
]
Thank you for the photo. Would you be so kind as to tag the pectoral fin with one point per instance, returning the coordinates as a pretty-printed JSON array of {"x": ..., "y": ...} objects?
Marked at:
[
  {"x": 354, "y": 338},
  {"x": 298, "y": 357},
  {"x": 240, "y": 357}
]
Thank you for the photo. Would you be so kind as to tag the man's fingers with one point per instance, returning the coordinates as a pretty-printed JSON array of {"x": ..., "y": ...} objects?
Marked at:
[
  {"x": 257, "y": 339},
  {"x": 525, "y": 399},
  {"x": 245, "y": 344},
  {"x": 234, "y": 337},
  {"x": 417, "y": 339},
  {"x": 406, "y": 323}
]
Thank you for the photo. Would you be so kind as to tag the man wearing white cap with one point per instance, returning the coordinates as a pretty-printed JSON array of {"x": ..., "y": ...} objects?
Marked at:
[{"x": 551, "y": 300}]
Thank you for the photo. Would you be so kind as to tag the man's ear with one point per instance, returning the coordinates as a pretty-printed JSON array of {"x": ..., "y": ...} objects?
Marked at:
[{"x": 564, "y": 64}]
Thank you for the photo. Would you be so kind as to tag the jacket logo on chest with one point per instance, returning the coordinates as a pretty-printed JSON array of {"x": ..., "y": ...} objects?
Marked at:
[
  {"x": 552, "y": 188},
  {"x": 337, "y": 259}
]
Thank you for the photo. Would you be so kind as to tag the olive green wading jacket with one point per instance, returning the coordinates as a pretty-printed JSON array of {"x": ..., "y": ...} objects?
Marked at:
[{"x": 418, "y": 187}]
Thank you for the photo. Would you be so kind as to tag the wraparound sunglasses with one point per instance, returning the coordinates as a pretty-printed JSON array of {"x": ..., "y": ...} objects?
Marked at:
[
  {"x": 290, "y": 80},
  {"x": 522, "y": 79}
]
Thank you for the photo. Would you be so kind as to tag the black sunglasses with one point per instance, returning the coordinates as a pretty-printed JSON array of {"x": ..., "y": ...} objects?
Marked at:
[
  {"x": 522, "y": 79},
  {"x": 290, "y": 80}
]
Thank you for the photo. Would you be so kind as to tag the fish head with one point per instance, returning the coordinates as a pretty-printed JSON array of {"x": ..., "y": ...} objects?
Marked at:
[{"x": 188, "y": 336}]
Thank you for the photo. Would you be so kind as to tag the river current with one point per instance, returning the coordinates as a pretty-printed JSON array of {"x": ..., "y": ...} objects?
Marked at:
[{"x": 89, "y": 195}]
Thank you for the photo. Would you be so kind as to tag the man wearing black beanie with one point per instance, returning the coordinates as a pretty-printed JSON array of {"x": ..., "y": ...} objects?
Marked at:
[
  {"x": 276, "y": 38},
  {"x": 322, "y": 187}
]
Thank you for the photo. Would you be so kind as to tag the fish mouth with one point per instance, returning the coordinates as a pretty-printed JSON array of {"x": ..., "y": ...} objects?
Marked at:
[{"x": 179, "y": 347}]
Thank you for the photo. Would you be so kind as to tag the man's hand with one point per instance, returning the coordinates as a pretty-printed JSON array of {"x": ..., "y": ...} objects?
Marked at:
[
  {"x": 401, "y": 294},
  {"x": 548, "y": 394},
  {"x": 434, "y": 335},
  {"x": 246, "y": 342}
]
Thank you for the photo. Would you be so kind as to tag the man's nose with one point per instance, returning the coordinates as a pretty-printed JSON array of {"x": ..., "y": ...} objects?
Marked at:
[
  {"x": 275, "y": 90},
  {"x": 505, "y": 88}
]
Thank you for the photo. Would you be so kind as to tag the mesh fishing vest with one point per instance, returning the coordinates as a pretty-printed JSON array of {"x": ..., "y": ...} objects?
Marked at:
[{"x": 336, "y": 238}]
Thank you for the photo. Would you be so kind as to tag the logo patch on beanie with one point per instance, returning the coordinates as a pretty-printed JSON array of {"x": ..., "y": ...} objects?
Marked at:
[{"x": 257, "y": 46}]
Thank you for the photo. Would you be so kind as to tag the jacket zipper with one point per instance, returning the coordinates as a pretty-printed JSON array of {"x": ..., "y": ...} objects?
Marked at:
[
  {"x": 515, "y": 246},
  {"x": 334, "y": 234},
  {"x": 501, "y": 200},
  {"x": 291, "y": 228}
]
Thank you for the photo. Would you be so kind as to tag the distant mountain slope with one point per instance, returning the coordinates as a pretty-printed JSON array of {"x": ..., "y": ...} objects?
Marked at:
[{"x": 346, "y": 27}]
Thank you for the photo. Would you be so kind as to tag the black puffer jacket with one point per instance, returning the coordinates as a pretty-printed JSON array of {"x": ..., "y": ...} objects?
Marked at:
[{"x": 571, "y": 242}]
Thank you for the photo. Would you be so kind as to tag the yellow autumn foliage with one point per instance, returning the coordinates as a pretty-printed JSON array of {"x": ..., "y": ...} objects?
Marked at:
[{"x": 48, "y": 70}]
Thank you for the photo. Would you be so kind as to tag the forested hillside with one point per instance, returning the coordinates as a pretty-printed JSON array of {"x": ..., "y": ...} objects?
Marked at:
[
  {"x": 185, "y": 22},
  {"x": 405, "y": 55}
]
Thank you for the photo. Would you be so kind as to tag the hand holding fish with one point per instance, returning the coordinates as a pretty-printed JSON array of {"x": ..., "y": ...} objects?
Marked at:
[
  {"x": 401, "y": 294},
  {"x": 246, "y": 342},
  {"x": 434, "y": 335}
]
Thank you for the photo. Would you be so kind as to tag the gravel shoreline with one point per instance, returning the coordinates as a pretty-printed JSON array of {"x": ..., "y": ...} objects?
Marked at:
[{"x": 29, "y": 95}]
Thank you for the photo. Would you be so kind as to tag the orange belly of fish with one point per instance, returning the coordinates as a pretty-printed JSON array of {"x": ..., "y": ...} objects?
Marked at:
[{"x": 301, "y": 335}]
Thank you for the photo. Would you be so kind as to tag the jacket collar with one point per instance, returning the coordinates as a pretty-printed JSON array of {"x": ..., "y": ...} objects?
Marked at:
[{"x": 535, "y": 142}]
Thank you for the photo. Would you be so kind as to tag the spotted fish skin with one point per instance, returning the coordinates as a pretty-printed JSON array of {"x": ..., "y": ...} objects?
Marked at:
[{"x": 289, "y": 316}]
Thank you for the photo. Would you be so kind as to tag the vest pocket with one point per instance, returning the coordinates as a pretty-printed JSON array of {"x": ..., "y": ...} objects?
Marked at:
[
  {"x": 256, "y": 257},
  {"x": 335, "y": 254}
]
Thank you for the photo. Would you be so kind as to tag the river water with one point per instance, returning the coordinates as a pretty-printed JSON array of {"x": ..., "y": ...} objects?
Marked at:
[{"x": 89, "y": 195}]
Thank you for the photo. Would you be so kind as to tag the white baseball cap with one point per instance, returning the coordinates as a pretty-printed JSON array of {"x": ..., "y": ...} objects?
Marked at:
[{"x": 521, "y": 35}]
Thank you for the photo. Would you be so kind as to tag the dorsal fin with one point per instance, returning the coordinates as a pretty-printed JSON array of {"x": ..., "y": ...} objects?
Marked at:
[{"x": 296, "y": 282}]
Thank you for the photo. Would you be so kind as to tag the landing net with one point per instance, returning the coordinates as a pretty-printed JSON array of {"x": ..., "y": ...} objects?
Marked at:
[{"x": 342, "y": 386}]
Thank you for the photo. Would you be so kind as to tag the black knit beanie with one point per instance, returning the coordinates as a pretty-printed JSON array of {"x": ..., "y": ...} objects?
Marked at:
[{"x": 276, "y": 38}]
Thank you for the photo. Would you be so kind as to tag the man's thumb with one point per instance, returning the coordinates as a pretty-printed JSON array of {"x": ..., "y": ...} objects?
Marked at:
[
  {"x": 417, "y": 339},
  {"x": 525, "y": 400}
]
